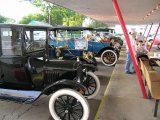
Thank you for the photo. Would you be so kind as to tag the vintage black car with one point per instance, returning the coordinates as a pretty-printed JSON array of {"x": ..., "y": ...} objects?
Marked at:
[{"x": 26, "y": 73}]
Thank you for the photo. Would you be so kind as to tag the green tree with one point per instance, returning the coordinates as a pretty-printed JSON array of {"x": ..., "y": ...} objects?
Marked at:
[
  {"x": 96, "y": 24},
  {"x": 6, "y": 19},
  {"x": 76, "y": 20},
  {"x": 10, "y": 20},
  {"x": 2, "y": 19},
  {"x": 59, "y": 15},
  {"x": 27, "y": 19}
]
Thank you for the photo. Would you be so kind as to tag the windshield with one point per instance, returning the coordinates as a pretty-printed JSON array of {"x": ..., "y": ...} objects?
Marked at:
[
  {"x": 72, "y": 39},
  {"x": 35, "y": 40}
]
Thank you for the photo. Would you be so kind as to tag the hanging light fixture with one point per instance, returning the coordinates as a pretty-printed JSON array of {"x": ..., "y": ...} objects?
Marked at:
[{"x": 152, "y": 11}]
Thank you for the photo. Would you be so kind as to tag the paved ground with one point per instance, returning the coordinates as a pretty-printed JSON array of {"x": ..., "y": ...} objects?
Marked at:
[
  {"x": 123, "y": 99},
  {"x": 39, "y": 109},
  {"x": 104, "y": 73}
]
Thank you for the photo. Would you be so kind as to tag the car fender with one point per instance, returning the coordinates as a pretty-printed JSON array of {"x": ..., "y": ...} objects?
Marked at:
[
  {"x": 90, "y": 67},
  {"x": 106, "y": 48},
  {"x": 62, "y": 84}
]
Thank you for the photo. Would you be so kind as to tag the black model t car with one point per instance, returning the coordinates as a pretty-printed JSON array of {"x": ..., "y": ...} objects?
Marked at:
[{"x": 26, "y": 73}]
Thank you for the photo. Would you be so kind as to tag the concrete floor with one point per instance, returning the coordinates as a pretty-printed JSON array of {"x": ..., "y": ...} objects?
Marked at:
[
  {"x": 39, "y": 109},
  {"x": 120, "y": 100},
  {"x": 104, "y": 73},
  {"x": 123, "y": 99}
]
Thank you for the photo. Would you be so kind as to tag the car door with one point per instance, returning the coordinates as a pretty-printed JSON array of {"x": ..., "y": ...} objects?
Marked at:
[{"x": 12, "y": 64}]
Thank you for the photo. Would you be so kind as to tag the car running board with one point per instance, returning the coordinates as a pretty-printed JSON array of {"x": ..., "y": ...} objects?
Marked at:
[{"x": 20, "y": 96}]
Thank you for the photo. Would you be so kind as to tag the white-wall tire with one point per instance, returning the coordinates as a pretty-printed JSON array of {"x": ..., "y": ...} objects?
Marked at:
[
  {"x": 91, "y": 92},
  {"x": 72, "y": 93},
  {"x": 109, "y": 55}
]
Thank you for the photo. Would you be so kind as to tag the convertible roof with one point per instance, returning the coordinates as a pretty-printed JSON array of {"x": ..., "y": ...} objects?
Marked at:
[
  {"x": 103, "y": 29},
  {"x": 74, "y": 28},
  {"x": 24, "y": 25},
  {"x": 133, "y": 11}
]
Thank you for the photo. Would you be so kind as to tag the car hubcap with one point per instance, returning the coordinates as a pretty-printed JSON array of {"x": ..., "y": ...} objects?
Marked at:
[{"x": 109, "y": 57}]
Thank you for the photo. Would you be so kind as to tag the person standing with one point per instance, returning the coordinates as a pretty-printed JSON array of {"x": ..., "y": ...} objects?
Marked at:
[
  {"x": 141, "y": 38},
  {"x": 141, "y": 50},
  {"x": 129, "y": 59}
]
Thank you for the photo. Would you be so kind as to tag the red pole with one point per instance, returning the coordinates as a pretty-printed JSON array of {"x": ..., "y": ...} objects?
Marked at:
[
  {"x": 149, "y": 31},
  {"x": 154, "y": 37},
  {"x": 145, "y": 30},
  {"x": 118, "y": 12}
]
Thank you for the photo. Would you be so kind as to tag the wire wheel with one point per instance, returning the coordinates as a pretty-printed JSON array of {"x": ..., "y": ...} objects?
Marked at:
[
  {"x": 109, "y": 57},
  {"x": 92, "y": 84},
  {"x": 67, "y": 104}
]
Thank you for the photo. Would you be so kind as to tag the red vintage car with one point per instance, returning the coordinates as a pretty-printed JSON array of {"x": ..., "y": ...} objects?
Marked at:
[{"x": 156, "y": 41}]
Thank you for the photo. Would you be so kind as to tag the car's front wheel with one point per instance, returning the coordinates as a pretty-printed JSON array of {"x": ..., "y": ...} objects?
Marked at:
[
  {"x": 109, "y": 57},
  {"x": 158, "y": 45},
  {"x": 67, "y": 104},
  {"x": 92, "y": 85}
]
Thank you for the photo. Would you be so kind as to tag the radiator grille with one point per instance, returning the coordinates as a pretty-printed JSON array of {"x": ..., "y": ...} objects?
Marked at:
[{"x": 51, "y": 76}]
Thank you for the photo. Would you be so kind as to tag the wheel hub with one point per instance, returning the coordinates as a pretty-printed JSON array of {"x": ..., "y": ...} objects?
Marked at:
[
  {"x": 68, "y": 108},
  {"x": 66, "y": 111}
]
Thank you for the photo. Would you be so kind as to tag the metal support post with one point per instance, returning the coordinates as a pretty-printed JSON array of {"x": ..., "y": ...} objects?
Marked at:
[
  {"x": 118, "y": 12},
  {"x": 145, "y": 30},
  {"x": 149, "y": 31},
  {"x": 154, "y": 37},
  {"x": 156, "y": 108}
]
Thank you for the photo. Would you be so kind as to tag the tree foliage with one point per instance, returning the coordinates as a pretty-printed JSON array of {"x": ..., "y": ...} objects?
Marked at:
[
  {"x": 59, "y": 15},
  {"x": 96, "y": 24},
  {"x": 2, "y": 19},
  {"x": 6, "y": 19},
  {"x": 37, "y": 17},
  {"x": 76, "y": 20}
]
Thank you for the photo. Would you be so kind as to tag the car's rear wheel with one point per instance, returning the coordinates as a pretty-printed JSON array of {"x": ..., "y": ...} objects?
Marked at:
[
  {"x": 92, "y": 84},
  {"x": 109, "y": 57},
  {"x": 158, "y": 45},
  {"x": 67, "y": 104}
]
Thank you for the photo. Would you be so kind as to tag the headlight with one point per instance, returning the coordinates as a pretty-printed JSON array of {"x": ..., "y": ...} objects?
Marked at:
[
  {"x": 84, "y": 70},
  {"x": 90, "y": 54}
]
